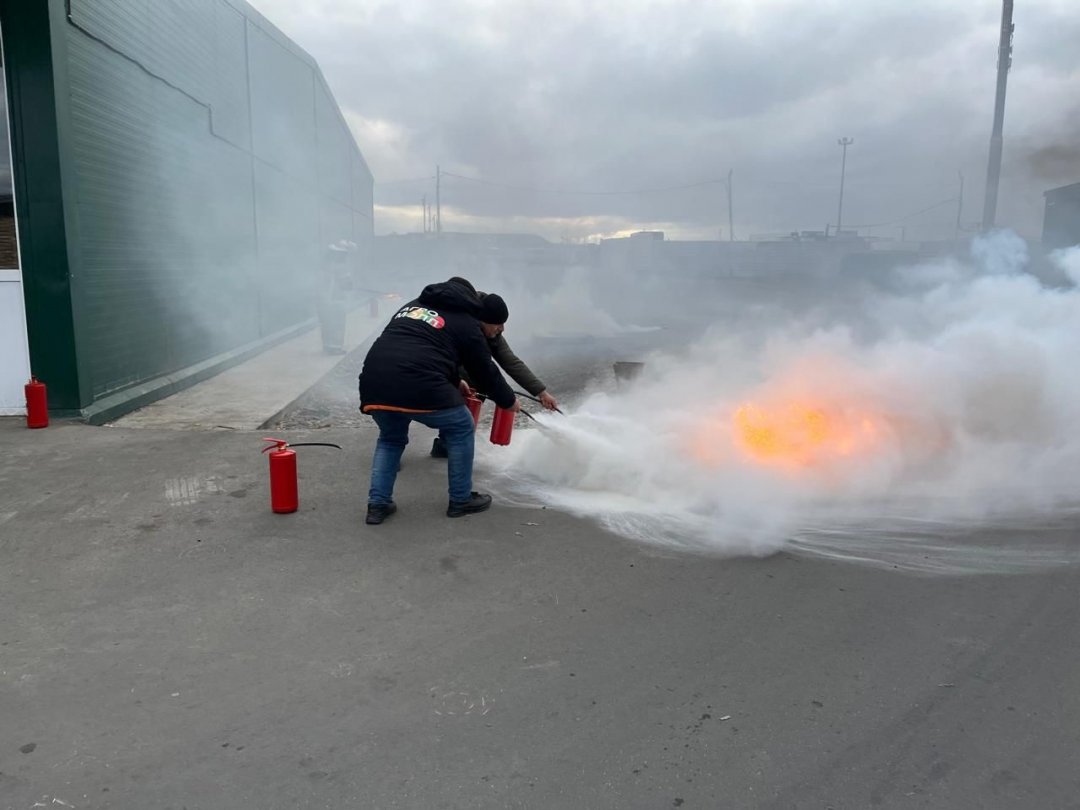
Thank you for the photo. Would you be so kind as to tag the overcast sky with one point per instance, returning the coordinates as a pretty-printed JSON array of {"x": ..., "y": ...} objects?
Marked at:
[{"x": 628, "y": 95}]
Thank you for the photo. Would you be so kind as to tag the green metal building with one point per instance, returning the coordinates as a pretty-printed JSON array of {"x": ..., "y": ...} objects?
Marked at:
[
  {"x": 1061, "y": 217},
  {"x": 179, "y": 168}
]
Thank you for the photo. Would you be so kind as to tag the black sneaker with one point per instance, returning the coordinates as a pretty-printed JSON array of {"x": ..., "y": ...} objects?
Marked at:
[
  {"x": 378, "y": 512},
  {"x": 478, "y": 502},
  {"x": 438, "y": 448}
]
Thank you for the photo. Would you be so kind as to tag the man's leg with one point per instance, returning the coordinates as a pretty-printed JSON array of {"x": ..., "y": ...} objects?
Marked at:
[
  {"x": 438, "y": 447},
  {"x": 393, "y": 436},
  {"x": 458, "y": 430},
  {"x": 455, "y": 426}
]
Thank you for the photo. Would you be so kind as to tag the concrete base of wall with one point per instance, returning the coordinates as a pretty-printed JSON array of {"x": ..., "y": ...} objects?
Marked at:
[
  {"x": 245, "y": 396},
  {"x": 116, "y": 405}
]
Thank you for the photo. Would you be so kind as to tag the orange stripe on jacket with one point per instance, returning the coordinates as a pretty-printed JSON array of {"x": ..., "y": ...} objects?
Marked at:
[{"x": 394, "y": 408}]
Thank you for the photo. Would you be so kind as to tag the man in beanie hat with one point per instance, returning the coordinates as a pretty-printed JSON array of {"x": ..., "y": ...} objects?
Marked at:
[
  {"x": 412, "y": 373},
  {"x": 493, "y": 317},
  {"x": 493, "y": 311}
]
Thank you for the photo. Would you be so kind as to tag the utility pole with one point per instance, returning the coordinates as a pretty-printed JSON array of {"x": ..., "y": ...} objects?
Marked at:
[
  {"x": 993, "y": 165},
  {"x": 438, "y": 202},
  {"x": 959, "y": 206},
  {"x": 423, "y": 209},
  {"x": 845, "y": 143},
  {"x": 730, "y": 214}
]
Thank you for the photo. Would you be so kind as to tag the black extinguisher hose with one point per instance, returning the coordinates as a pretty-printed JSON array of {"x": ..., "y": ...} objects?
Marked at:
[
  {"x": 281, "y": 444},
  {"x": 527, "y": 396}
]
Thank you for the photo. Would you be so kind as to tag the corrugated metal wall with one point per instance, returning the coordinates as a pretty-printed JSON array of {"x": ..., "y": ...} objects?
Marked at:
[
  {"x": 210, "y": 168},
  {"x": 1061, "y": 218}
]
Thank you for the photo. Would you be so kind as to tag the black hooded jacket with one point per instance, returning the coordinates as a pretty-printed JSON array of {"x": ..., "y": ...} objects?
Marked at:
[{"x": 413, "y": 365}]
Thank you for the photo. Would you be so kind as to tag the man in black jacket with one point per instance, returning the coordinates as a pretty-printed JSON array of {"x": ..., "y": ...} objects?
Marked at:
[
  {"x": 411, "y": 373},
  {"x": 507, "y": 360}
]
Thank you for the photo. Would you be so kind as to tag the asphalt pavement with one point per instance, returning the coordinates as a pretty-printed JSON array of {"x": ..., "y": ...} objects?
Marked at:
[{"x": 169, "y": 642}]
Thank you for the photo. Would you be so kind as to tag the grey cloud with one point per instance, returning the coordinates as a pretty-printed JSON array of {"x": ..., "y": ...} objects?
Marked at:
[{"x": 595, "y": 102}]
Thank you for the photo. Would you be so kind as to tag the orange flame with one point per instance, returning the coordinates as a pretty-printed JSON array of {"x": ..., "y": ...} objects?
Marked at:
[{"x": 801, "y": 434}]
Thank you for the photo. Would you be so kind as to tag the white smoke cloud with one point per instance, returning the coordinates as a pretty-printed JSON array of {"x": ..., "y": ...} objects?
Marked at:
[
  {"x": 1068, "y": 261},
  {"x": 954, "y": 408},
  {"x": 566, "y": 310},
  {"x": 1000, "y": 253}
]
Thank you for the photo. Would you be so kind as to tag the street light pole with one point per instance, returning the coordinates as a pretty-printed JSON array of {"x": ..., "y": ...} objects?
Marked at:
[
  {"x": 959, "y": 206},
  {"x": 730, "y": 215},
  {"x": 438, "y": 200},
  {"x": 845, "y": 143},
  {"x": 993, "y": 162}
]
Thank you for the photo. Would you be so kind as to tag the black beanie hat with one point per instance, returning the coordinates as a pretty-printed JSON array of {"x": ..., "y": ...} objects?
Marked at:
[{"x": 493, "y": 309}]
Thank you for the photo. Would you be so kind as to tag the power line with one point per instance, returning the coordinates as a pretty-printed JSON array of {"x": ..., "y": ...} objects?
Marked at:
[
  {"x": 906, "y": 218},
  {"x": 481, "y": 181},
  {"x": 725, "y": 181},
  {"x": 427, "y": 179}
]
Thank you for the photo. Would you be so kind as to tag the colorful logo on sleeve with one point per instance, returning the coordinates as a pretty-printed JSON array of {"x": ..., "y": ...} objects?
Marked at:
[{"x": 428, "y": 316}]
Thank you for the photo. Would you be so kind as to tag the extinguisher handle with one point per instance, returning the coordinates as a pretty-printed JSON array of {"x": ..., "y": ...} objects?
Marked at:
[{"x": 277, "y": 444}]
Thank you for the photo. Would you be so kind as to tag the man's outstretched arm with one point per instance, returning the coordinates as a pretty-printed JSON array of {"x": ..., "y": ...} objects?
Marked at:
[
  {"x": 520, "y": 373},
  {"x": 514, "y": 366}
]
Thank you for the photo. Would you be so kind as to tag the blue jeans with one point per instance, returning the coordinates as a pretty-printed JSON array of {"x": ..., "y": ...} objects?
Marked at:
[{"x": 456, "y": 427}]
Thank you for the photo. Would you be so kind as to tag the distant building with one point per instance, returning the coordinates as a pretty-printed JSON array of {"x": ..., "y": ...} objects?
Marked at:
[
  {"x": 1061, "y": 219},
  {"x": 180, "y": 169}
]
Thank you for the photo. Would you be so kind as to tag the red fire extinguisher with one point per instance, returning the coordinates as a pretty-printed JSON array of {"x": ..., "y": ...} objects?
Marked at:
[
  {"x": 502, "y": 426},
  {"x": 474, "y": 404},
  {"x": 37, "y": 407},
  {"x": 284, "y": 494},
  {"x": 284, "y": 491}
]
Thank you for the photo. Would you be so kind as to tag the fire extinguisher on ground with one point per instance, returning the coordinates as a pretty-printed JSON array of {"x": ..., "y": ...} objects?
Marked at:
[
  {"x": 284, "y": 490},
  {"x": 37, "y": 406}
]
